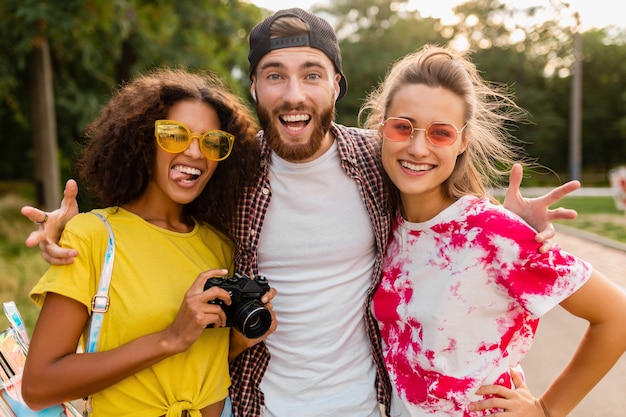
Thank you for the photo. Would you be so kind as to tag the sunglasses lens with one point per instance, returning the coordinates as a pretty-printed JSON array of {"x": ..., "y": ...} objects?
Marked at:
[
  {"x": 397, "y": 129},
  {"x": 172, "y": 138},
  {"x": 441, "y": 134},
  {"x": 216, "y": 146}
]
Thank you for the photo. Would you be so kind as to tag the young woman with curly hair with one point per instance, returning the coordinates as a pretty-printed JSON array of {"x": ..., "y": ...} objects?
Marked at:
[{"x": 166, "y": 160}]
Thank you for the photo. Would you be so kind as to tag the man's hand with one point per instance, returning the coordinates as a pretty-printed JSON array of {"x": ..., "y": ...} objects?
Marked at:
[
  {"x": 51, "y": 226},
  {"x": 239, "y": 343},
  {"x": 536, "y": 211}
]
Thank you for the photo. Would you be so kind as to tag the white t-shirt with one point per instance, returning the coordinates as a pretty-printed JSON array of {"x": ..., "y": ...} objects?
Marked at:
[
  {"x": 459, "y": 303},
  {"x": 317, "y": 249}
]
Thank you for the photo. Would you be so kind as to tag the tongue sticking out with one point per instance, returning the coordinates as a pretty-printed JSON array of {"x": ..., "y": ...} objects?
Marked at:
[
  {"x": 179, "y": 176},
  {"x": 181, "y": 173}
]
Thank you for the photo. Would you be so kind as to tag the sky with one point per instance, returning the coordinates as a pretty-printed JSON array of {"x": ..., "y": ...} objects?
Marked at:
[{"x": 593, "y": 13}]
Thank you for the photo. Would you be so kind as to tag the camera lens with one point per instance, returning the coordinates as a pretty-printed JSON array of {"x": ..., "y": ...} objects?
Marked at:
[{"x": 252, "y": 319}]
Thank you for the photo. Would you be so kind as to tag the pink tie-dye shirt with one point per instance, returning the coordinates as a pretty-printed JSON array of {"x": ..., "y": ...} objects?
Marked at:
[{"x": 460, "y": 300}]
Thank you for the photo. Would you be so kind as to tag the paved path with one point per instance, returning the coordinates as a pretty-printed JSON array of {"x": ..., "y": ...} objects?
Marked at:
[{"x": 559, "y": 333}]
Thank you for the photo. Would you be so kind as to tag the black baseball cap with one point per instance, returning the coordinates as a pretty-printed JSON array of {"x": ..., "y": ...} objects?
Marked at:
[{"x": 321, "y": 36}]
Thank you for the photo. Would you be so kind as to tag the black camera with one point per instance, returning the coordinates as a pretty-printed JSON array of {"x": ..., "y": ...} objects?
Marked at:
[{"x": 246, "y": 312}]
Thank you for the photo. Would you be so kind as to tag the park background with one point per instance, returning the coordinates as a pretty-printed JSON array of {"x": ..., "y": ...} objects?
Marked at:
[{"x": 60, "y": 61}]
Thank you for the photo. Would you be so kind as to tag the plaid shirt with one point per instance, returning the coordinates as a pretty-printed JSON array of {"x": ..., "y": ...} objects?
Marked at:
[{"x": 360, "y": 158}]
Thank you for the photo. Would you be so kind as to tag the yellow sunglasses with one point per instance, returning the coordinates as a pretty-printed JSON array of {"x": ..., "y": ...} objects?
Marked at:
[{"x": 175, "y": 137}]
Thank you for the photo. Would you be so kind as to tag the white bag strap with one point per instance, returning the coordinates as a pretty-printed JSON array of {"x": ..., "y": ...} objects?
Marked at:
[{"x": 100, "y": 301}]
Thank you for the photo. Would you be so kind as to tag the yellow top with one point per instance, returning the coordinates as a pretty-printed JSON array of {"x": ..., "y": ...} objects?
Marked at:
[{"x": 153, "y": 269}]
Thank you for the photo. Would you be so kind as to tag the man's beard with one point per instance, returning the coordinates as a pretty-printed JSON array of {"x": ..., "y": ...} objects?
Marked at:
[{"x": 321, "y": 123}]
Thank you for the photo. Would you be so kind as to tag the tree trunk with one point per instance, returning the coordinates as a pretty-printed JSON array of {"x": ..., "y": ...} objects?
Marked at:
[{"x": 47, "y": 176}]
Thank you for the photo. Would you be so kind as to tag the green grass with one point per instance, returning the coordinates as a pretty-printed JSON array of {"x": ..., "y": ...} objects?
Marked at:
[
  {"x": 20, "y": 266},
  {"x": 590, "y": 205},
  {"x": 597, "y": 215}
]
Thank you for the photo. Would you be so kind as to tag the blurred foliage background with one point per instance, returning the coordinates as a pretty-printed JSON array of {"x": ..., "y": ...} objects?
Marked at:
[{"x": 96, "y": 45}]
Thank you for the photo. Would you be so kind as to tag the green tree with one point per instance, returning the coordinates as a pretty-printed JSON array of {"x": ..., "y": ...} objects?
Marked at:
[
  {"x": 534, "y": 56},
  {"x": 373, "y": 34},
  {"x": 95, "y": 46},
  {"x": 604, "y": 108}
]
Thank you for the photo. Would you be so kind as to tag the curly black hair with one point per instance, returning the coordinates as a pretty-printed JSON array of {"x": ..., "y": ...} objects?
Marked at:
[{"x": 117, "y": 160}]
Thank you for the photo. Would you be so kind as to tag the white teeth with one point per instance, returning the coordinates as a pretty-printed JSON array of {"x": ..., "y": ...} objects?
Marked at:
[
  {"x": 295, "y": 118},
  {"x": 416, "y": 167},
  {"x": 187, "y": 170}
]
